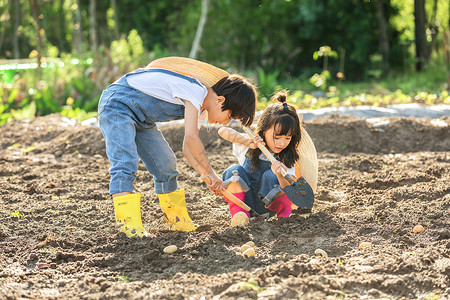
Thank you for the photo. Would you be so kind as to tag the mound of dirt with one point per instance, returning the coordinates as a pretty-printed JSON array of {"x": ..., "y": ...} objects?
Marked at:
[{"x": 378, "y": 178}]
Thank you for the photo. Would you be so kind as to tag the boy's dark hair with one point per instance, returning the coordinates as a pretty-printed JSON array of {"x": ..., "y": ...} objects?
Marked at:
[
  {"x": 240, "y": 97},
  {"x": 287, "y": 122}
]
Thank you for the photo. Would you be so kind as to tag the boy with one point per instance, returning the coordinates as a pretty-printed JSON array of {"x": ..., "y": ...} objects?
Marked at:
[{"x": 167, "y": 89}]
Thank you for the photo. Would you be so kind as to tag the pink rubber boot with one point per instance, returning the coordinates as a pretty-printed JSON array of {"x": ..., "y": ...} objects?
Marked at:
[
  {"x": 234, "y": 208},
  {"x": 282, "y": 205}
]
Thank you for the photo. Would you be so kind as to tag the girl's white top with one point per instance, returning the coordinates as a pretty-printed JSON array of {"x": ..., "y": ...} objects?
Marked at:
[
  {"x": 240, "y": 150},
  {"x": 170, "y": 88}
]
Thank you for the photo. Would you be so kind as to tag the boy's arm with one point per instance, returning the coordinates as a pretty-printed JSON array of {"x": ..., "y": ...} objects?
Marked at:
[
  {"x": 193, "y": 148},
  {"x": 192, "y": 161}
]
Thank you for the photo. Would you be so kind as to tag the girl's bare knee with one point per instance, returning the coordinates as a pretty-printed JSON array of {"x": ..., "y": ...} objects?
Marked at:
[{"x": 234, "y": 187}]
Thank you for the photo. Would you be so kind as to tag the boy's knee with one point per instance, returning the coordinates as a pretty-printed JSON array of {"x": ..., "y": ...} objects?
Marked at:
[{"x": 169, "y": 168}]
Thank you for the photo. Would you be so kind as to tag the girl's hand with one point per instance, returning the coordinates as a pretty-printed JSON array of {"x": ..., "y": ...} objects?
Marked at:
[
  {"x": 254, "y": 142},
  {"x": 216, "y": 186},
  {"x": 277, "y": 166}
]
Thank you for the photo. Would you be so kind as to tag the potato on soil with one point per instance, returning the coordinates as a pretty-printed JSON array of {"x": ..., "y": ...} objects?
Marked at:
[
  {"x": 244, "y": 248},
  {"x": 418, "y": 229},
  {"x": 170, "y": 249},
  {"x": 249, "y": 252},
  {"x": 250, "y": 243},
  {"x": 239, "y": 218}
]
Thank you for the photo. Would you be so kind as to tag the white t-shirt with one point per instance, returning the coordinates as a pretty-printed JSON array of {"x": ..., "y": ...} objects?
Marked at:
[
  {"x": 170, "y": 88},
  {"x": 240, "y": 150}
]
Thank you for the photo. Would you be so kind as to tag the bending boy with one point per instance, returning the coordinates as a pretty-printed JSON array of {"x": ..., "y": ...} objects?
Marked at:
[{"x": 170, "y": 88}]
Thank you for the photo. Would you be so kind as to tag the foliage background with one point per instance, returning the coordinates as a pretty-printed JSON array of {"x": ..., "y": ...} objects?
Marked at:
[{"x": 75, "y": 48}]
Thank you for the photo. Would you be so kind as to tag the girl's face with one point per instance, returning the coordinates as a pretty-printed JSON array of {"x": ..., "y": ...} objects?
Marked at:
[{"x": 276, "y": 143}]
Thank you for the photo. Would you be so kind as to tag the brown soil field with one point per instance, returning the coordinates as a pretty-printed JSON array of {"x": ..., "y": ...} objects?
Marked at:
[{"x": 377, "y": 180}]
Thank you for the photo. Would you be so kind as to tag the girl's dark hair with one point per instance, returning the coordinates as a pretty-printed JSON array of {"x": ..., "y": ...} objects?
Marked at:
[
  {"x": 240, "y": 97},
  {"x": 286, "y": 121}
]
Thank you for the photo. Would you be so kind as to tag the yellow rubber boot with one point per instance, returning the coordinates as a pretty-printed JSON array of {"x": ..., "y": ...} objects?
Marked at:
[
  {"x": 175, "y": 212},
  {"x": 127, "y": 209}
]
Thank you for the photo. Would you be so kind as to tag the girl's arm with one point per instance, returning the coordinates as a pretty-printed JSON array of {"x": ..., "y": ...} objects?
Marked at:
[
  {"x": 194, "y": 151},
  {"x": 276, "y": 169},
  {"x": 235, "y": 137}
]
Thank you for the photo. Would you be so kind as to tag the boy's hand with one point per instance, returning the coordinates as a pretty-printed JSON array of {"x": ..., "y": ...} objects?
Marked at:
[
  {"x": 277, "y": 166},
  {"x": 254, "y": 142},
  {"x": 216, "y": 185}
]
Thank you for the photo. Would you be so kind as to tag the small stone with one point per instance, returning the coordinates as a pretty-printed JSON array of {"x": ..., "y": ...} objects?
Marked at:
[
  {"x": 43, "y": 266},
  {"x": 170, "y": 249},
  {"x": 365, "y": 245},
  {"x": 33, "y": 257},
  {"x": 320, "y": 252}
]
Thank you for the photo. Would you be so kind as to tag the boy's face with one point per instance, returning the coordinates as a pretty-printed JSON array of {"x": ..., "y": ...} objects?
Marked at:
[{"x": 215, "y": 113}]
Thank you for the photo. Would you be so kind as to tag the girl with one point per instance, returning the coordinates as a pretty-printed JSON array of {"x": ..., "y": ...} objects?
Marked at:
[{"x": 255, "y": 180}]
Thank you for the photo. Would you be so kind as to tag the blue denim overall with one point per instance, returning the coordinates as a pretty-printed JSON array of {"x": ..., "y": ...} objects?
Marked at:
[
  {"x": 127, "y": 120},
  {"x": 260, "y": 184}
]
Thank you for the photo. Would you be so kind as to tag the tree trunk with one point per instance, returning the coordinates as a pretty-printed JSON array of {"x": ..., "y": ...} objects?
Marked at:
[
  {"x": 445, "y": 37},
  {"x": 35, "y": 8},
  {"x": 2, "y": 34},
  {"x": 93, "y": 25},
  {"x": 77, "y": 38},
  {"x": 60, "y": 29},
  {"x": 383, "y": 39},
  {"x": 116, "y": 21},
  {"x": 434, "y": 30},
  {"x": 421, "y": 42},
  {"x": 199, "y": 33},
  {"x": 16, "y": 29}
]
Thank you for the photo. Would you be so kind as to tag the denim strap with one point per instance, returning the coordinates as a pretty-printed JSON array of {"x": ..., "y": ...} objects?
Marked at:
[{"x": 170, "y": 72}]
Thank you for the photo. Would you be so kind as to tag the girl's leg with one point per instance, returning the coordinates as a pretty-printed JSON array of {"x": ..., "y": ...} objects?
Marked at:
[
  {"x": 236, "y": 189},
  {"x": 233, "y": 185},
  {"x": 282, "y": 205},
  {"x": 272, "y": 194}
]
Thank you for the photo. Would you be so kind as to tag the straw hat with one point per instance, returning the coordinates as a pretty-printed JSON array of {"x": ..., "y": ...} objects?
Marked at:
[
  {"x": 307, "y": 166},
  {"x": 207, "y": 74}
]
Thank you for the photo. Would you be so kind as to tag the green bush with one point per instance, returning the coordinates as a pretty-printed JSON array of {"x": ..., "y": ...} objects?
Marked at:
[{"x": 69, "y": 85}]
